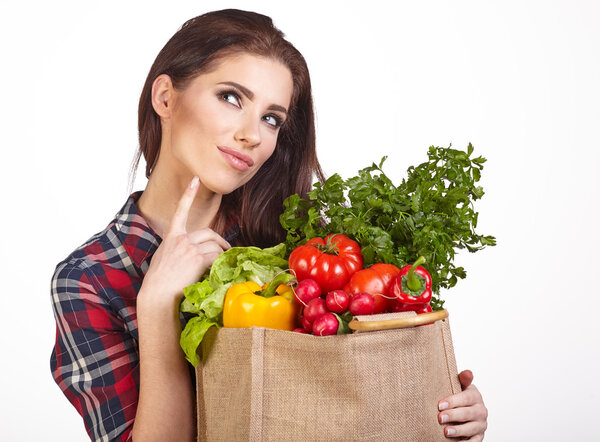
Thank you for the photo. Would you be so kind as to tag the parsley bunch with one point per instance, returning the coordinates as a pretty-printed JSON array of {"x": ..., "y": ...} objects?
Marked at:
[{"x": 429, "y": 214}]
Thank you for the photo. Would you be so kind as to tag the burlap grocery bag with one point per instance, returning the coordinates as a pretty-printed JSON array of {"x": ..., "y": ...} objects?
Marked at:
[{"x": 261, "y": 384}]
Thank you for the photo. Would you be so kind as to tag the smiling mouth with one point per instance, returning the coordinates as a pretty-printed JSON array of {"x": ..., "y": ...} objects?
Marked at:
[{"x": 236, "y": 159}]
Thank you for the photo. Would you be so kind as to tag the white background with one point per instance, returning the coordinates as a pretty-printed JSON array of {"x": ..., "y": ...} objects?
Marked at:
[{"x": 518, "y": 79}]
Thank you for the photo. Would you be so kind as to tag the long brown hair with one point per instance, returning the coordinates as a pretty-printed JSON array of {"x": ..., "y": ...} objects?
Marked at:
[{"x": 195, "y": 49}]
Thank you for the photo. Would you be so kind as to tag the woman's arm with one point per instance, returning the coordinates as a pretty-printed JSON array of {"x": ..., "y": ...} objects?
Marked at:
[
  {"x": 166, "y": 403},
  {"x": 465, "y": 411},
  {"x": 95, "y": 357}
]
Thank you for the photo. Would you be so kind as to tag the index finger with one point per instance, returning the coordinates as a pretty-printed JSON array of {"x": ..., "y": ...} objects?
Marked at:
[{"x": 179, "y": 220}]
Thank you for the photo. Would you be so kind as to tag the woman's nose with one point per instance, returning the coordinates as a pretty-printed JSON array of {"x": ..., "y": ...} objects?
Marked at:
[{"x": 249, "y": 131}]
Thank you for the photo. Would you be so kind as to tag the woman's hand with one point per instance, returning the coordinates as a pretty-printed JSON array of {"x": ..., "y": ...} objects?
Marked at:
[
  {"x": 465, "y": 411},
  {"x": 182, "y": 257},
  {"x": 166, "y": 402}
]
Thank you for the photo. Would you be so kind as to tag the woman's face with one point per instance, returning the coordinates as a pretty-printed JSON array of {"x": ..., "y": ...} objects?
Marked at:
[{"x": 224, "y": 125}]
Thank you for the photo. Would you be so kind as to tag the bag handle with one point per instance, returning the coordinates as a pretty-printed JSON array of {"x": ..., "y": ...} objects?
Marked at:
[{"x": 411, "y": 321}]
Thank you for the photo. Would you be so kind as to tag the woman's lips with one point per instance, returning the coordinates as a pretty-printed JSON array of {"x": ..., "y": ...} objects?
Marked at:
[{"x": 236, "y": 159}]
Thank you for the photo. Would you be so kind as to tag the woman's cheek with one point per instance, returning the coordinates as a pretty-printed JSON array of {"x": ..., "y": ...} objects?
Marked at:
[{"x": 271, "y": 145}]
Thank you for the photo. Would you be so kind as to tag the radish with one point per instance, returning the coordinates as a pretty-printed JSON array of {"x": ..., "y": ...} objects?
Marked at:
[
  {"x": 306, "y": 324},
  {"x": 307, "y": 290},
  {"x": 300, "y": 330},
  {"x": 314, "y": 309},
  {"x": 325, "y": 325},
  {"x": 362, "y": 304},
  {"x": 337, "y": 301}
]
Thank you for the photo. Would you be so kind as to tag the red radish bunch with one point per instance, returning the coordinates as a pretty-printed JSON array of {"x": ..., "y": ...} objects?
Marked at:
[{"x": 328, "y": 314}]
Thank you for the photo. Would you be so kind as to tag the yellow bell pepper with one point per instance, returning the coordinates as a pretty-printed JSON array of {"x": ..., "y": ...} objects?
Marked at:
[{"x": 244, "y": 308}]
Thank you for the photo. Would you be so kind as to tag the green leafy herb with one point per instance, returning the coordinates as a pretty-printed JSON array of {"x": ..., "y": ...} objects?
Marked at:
[{"x": 429, "y": 214}]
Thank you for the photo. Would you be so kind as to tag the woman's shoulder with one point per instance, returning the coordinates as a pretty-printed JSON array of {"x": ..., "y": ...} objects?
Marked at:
[
  {"x": 122, "y": 245},
  {"x": 93, "y": 250},
  {"x": 78, "y": 268}
]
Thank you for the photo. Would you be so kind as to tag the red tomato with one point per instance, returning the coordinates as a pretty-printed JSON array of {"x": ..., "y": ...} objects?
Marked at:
[
  {"x": 330, "y": 261},
  {"x": 375, "y": 280}
]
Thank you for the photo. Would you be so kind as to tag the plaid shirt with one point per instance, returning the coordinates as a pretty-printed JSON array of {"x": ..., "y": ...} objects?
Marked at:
[{"x": 95, "y": 360}]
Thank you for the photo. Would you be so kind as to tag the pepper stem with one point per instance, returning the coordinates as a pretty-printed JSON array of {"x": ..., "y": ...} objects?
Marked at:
[
  {"x": 412, "y": 281},
  {"x": 282, "y": 278}
]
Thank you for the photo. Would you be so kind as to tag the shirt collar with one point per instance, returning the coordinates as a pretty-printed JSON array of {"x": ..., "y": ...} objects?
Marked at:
[{"x": 138, "y": 238}]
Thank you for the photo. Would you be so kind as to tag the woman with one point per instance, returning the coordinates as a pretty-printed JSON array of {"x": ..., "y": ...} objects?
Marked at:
[{"x": 225, "y": 108}]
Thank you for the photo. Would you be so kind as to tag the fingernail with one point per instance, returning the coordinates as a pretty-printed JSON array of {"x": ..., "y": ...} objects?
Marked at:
[
  {"x": 450, "y": 431},
  {"x": 443, "y": 405},
  {"x": 194, "y": 182},
  {"x": 444, "y": 418}
]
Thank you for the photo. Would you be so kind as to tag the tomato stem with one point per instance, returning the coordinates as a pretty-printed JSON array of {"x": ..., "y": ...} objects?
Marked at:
[{"x": 330, "y": 248}]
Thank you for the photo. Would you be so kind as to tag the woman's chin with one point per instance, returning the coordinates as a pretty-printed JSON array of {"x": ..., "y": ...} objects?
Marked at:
[
  {"x": 223, "y": 181},
  {"x": 224, "y": 188}
]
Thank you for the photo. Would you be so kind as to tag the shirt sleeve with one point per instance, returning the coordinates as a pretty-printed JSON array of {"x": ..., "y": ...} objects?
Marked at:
[{"x": 95, "y": 360}]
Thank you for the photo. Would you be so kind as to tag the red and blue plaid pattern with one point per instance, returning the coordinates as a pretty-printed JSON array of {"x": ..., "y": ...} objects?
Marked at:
[{"x": 95, "y": 360}]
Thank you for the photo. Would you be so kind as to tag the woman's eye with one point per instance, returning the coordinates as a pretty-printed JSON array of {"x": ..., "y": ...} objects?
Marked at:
[
  {"x": 230, "y": 97},
  {"x": 273, "y": 120}
]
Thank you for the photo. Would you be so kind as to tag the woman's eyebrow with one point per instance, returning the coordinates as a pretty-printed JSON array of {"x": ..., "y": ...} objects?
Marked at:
[
  {"x": 248, "y": 93},
  {"x": 276, "y": 107}
]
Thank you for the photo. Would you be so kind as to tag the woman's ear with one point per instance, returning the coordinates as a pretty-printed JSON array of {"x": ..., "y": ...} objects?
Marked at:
[{"x": 162, "y": 96}]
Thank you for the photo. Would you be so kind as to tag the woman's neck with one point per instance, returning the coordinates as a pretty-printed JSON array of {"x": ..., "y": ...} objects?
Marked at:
[{"x": 158, "y": 202}]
